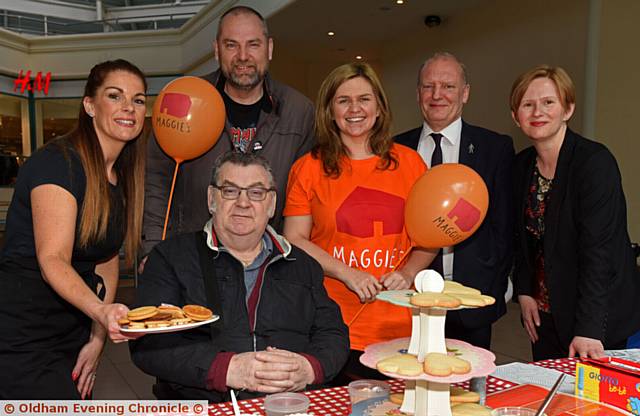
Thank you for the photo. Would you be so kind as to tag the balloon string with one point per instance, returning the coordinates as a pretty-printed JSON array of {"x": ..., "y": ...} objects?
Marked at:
[
  {"x": 364, "y": 305},
  {"x": 402, "y": 259},
  {"x": 166, "y": 217}
]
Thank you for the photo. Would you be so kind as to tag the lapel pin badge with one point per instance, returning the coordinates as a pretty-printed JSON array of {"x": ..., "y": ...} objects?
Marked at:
[{"x": 471, "y": 148}]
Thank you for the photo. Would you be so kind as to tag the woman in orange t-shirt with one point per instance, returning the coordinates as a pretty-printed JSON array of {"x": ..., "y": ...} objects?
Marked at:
[{"x": 345, "y": 207}]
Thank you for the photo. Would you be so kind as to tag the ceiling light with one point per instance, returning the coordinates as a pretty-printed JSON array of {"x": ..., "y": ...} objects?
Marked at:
[
  {"x": 358, "y": 57},
  {"x": 399, "y": 1},
  {"x": 331, "y": 33}
]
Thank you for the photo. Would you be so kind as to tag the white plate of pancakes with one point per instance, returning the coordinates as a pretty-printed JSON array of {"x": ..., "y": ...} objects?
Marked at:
[{"x": 166, "y": 318}]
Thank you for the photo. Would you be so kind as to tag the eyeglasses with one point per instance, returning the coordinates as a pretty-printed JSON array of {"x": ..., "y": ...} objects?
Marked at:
[{"x": 254, "y": 193}]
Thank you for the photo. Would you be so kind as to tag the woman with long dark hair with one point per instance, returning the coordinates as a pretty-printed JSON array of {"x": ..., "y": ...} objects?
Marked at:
[{"x": 76, "y": 200}]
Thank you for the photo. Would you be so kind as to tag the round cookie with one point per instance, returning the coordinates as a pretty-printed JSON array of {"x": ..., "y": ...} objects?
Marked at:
[
  {"x": 460, "y": 395},
  {"x": 468, "y": 299},
  {"x": 197, "y": 312},
  {"x": 443, "y": 365},
  {"x": 174, "y": 311},
  {"x": 155, "y": 323},
  {"x": 403, "y": 364},
  {"x": 396, "y": 398},
  {"x": 488, "y": 300},
  {"x": 433, "y": 299},
  {"x": 141, "y": 313},
  {"x": 451, "y": 287},
  {"x": 470, "y": 409}
]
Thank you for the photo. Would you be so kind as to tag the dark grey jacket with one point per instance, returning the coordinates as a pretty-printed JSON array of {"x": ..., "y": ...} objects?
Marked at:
[
  {"x": 293, "y": 313},
  {"x": 286, "y": 133}
]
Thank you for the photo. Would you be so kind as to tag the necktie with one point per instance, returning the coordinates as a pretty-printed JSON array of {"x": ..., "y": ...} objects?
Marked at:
[{"x": 436, "y": 157}]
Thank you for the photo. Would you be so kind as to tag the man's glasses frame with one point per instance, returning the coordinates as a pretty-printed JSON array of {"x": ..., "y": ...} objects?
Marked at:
[{"x": 254, "y": 193}]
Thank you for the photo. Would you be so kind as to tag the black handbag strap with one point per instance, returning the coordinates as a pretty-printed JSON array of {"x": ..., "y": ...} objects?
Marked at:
[{"x": 210, "y": 282}]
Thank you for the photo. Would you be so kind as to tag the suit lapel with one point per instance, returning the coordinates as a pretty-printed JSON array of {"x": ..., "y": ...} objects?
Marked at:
[
  {"x": 414, "y": 140},
  {"x": 468, "y": 149},
  {"x": 522, "y": 191},
  {"x": 558, "y": 192}
]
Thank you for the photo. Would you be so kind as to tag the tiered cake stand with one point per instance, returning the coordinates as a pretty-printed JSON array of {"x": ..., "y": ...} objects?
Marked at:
[{"x": 427, "y": 395}]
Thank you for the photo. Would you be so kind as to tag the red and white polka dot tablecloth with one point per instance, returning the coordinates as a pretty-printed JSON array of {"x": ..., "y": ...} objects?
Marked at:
[
  {"x": 335, "y": 401},
  {"x": 565, "y": 365}
]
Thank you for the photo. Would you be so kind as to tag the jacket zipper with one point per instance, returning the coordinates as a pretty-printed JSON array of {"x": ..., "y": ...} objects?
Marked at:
[{"x": 255, "y": 311}]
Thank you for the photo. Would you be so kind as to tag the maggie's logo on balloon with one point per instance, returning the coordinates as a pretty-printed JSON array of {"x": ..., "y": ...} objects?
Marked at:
[
  {"x": 175, "y": 104},
  {"x": 446, "y": 205},
  {"x": 173, "y": 107},
  {"x": 464, "y": 216}
]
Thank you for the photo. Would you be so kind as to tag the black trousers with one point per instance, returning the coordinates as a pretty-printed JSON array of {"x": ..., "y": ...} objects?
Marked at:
[
  {"x": 480, "y": 337},
  {"x": 549, "y": 344}
]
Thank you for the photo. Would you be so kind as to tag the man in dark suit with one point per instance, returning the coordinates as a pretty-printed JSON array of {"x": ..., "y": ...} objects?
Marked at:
[{"x": 484, "y": 260}]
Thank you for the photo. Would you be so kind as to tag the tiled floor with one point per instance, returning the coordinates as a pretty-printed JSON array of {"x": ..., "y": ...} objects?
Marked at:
[{"x": 118, "y": 378}]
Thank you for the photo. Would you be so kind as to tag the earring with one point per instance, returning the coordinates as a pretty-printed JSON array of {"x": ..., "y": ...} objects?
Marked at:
[{"x": 91, "y": 115}]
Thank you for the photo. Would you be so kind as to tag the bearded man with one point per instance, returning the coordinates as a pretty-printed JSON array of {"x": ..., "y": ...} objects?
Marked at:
[{"x": 263, "y": 116}]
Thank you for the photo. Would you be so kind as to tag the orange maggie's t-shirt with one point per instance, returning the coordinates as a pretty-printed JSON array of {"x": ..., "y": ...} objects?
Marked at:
[{"x": 358, "y": 218}]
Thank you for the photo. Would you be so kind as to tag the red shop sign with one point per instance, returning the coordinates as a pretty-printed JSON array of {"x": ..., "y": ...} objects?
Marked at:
[{"x": 39, "y": 83}]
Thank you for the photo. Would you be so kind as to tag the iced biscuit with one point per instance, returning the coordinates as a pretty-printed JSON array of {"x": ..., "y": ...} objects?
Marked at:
[
  {"x": 488, "y": 300},
  {"x": 451, "y": 287},
  {"x": 443, "y": 365},
  {"x": 470, "y": 409},
  {"x": 403, "y": 364},
  {"x": 460, "y": 395},
  {"x": 433, "y": 299},
  {"x": 472, "y": 300}
]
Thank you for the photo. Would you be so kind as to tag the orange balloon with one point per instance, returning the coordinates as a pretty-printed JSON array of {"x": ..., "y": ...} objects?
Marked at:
[
  {"x": 188, "y": 117},
  {"x": 446, "y": 206}
]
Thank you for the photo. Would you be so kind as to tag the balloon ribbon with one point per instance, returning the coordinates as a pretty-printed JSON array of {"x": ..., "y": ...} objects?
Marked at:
[
  {"x": 364, "y": 305},
  {"x": 173, "y": 185}
]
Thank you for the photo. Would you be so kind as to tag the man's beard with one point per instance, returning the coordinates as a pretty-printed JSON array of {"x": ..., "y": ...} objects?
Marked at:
[{"x": 246, "y": 81}]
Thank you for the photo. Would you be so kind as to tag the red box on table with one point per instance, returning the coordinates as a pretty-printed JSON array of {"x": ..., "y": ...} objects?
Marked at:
[{"x": 610, "y": 380}]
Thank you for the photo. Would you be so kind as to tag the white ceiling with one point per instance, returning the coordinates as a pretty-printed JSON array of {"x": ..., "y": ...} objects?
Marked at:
[{"x": 359, "y": 25}]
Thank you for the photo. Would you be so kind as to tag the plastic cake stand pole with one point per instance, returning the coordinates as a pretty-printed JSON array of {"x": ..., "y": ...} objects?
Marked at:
[{"x": 421, "y": 397}]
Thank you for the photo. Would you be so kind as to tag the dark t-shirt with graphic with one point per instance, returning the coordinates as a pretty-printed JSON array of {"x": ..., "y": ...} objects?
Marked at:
[{"x": 244, "y": 120}]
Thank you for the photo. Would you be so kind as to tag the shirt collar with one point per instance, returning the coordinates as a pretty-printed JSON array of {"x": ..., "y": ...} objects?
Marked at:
[
  {"x": 451, "y": 133},
  {"x": 277, "y": 241}
]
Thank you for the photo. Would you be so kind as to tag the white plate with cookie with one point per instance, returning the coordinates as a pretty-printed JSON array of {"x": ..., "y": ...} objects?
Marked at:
[
  {"x": 170, "y": 328},
  {"x": 166, "y": 318}
]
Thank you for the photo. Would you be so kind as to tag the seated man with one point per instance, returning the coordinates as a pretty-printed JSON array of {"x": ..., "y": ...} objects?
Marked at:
[{"x": 278, "y": 330}]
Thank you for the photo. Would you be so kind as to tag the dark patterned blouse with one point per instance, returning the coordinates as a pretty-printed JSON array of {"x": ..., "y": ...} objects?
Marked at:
[{"x": 537, "y": 201}]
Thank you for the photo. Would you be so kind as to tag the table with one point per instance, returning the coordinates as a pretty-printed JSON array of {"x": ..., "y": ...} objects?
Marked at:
[{"x": 335, "y": 401}]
